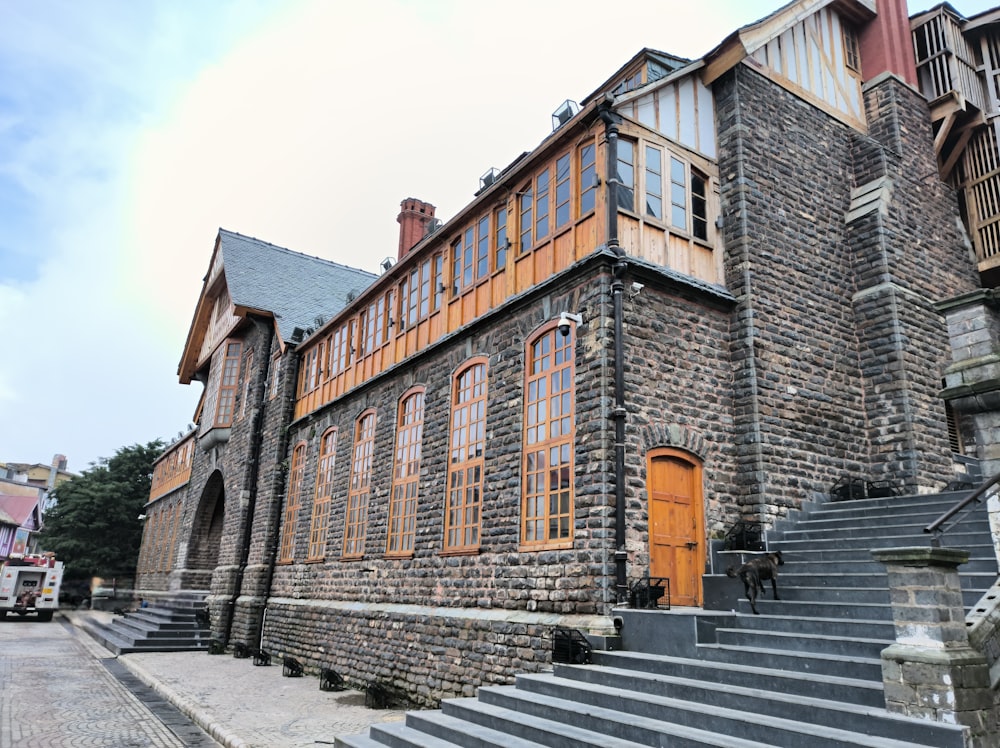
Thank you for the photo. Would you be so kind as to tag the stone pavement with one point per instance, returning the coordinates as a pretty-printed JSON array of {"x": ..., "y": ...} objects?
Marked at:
[{"x": 242, "y": 705}]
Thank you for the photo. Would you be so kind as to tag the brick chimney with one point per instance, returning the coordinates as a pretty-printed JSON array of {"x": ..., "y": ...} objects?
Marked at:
[
  {"x": 414, "y": 218},
  {"x": 887, "y": 45}
]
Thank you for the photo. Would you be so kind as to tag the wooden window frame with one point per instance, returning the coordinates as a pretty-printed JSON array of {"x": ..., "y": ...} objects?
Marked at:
[
  {"x": 405, "y": 492},
  {"x": 247, "y": 382},
  {"x": 549, "y": 430},
  {"x": 852, "y": 48},
  {"x": 229, "y": 380},
  {"x": 466, "y": 458},
  {"x": 293, "y": 503},
  {"x": 437, "y": 281},
  {"x": 501, "y": 243},
  {"x": 626, "y": 181},
  {"x": 482, "y": 258},
  {"x": 320, "y": 524},
  {"x": 652, "y": 185},
  {"x": 562, "y": 192},
  {"x": 525, "y": 219},
  {"x": 275, "y": 375},
  {"x": 587, "y": 183},
  {"x": 356, "y": 514},
  {"x": 543, "y": 204}
]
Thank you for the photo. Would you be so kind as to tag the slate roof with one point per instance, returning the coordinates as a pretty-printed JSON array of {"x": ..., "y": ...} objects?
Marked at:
[{"x": 296, "y": 288}]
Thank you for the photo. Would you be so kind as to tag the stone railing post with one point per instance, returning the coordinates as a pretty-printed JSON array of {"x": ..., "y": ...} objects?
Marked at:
[{"x": 932, "y": 672}]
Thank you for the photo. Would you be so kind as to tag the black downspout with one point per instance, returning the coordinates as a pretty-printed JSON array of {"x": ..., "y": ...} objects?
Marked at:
[
  {"x": 611, "y": 121},
  {"x": 250, "y": 477}
]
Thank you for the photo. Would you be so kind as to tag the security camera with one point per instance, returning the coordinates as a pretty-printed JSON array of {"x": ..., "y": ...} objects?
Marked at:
[
  {"x": 141, "y": 517},
  {"x": 565, "y": 318}
]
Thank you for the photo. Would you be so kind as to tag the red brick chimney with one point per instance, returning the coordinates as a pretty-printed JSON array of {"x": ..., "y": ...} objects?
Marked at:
[
  {"x": 414, "y": 218},
  {"x": 886, "y": 43}
]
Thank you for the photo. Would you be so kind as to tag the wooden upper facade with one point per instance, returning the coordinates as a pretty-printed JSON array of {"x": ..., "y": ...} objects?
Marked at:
[
  {"x": 549, "y": 209},
  {"x": 958, "y": 65}
]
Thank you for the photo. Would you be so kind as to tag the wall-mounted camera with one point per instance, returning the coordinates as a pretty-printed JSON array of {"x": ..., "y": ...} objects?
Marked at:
[{"x": 566, "y": 319}]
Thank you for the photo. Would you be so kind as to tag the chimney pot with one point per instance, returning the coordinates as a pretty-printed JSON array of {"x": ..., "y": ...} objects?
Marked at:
[{"x": 414, "y": 217}]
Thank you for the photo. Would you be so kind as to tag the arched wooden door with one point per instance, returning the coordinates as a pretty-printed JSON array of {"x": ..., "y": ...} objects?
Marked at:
[{"x": 676, "y": 523}]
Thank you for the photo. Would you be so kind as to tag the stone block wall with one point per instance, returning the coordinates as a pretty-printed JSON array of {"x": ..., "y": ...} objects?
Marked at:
[{"x": 834, "y": 326}]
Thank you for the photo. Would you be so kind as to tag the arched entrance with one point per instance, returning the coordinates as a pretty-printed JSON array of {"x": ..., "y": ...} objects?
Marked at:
[
  {"x": 676, "y": 522},
  {"x": 206, "y": 531}
]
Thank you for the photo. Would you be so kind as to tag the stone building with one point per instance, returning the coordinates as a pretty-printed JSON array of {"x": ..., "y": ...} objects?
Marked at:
[{"x": 707, "y": 296}]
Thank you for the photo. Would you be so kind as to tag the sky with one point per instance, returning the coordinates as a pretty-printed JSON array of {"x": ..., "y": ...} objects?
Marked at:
[{"x": 132, "y": 130}]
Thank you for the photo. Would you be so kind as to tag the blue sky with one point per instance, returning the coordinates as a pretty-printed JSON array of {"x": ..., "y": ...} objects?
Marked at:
[{"x": 131, "y": 130}]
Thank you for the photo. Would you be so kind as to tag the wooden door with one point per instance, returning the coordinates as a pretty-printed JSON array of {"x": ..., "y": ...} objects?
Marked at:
[{"x": 676, "y": 537}]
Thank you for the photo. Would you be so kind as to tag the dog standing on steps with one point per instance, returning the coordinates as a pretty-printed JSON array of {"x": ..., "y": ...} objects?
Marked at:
[{"x": 754, "y": 573}]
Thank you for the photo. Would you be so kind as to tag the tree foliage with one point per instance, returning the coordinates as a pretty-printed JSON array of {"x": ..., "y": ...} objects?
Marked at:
[{"x": 94, "y": 527}]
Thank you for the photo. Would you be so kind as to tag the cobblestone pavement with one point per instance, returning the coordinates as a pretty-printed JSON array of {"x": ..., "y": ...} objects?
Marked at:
[
  {"x": 55, "y": 693},
  {"x": 245, "y": 706}
]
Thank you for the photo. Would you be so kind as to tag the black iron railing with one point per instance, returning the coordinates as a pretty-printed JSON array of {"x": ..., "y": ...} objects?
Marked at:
[{"x": 956, "y": 514}]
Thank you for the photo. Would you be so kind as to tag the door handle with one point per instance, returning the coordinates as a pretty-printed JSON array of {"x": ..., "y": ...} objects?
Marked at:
[{"x": 691, "y": 544}]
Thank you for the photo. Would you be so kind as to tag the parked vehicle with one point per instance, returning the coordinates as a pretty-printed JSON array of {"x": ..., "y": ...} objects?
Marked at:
[{"x": 30, "y": 585}]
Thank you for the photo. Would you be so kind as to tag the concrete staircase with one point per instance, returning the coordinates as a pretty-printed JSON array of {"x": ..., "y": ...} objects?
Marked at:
[
  {"x": 170, "y": 626},
  {"x": 806, "y": 672}
]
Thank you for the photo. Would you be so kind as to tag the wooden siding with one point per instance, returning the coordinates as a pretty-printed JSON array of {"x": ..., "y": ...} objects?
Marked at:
[
  {"x": 173, "y": 469},
  {"x": 809, "y": 60},
  {"x": 682, "y": 110},
  {"x": 345, "y": 361}
]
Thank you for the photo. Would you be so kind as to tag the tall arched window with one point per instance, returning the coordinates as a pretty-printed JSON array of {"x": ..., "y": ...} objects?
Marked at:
[
  {"x": 293, "y": 502},
  {"x": 356, "y": 520},
  {"x": 549, "y": 404},
  {"x": 324, "y": 494},
  {"x": 406, "y": 474},
  {"x": 465, "y": 458}
]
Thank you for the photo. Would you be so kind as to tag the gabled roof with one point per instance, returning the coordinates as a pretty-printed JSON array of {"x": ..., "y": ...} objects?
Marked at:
[
  {"x": 748, "y": 39},
  {"x": 20, "y": 511},
  {"x": 293, "y": 287},
  {"x": 261, "y": 278}
]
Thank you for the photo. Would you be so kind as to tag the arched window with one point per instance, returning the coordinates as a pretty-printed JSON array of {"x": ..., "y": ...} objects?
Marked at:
[
  {"x": 406, "y": 474},
  {"x": 324, "y": 494},
  {"x": 356, "y": 520},
  {"x": 549, "y": 404},
  {"x": 465, "y": 458},
  {"x": 293, "y": 503}
]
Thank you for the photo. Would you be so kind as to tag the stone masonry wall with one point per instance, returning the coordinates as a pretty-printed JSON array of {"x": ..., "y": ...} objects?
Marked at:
[
  {"x": 414, "y": 615},
  {"x": 835, "y": 372}
]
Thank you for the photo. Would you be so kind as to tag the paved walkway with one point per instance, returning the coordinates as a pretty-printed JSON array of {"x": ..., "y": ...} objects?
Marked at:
[{"x": 242, "y": 705}]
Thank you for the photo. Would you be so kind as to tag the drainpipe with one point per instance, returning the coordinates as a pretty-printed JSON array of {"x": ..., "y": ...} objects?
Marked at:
[
  {"x": 611, "y": 120},
  {"x": 250, "y": 473}
]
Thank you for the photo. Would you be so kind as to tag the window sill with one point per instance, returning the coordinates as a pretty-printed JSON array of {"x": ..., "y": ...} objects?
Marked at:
[
  {"x": 461, "y": 551},
  {"x": 357, "y": 557},
  {"x": 562, "y": 545},
  {"x": 399, "y": 554},
  {"x": 318, "y": 560}
]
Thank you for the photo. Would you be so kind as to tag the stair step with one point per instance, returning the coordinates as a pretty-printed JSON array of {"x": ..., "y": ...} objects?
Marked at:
[
  {"x": 862, "y": 668},
  {"x": 818, "y": 609},
  {"x": 747, "y": 673},
  {"x": 881, "y": 532},
  {"x": 956, "y": 540},
  {"x": 657, "y": 697},
  {"x": 823, "y": 626},
  {"x": 534, "y": 716},
  {"x": 798, "y": 642},
  {"x": 472, "y": 724},
  {"x": 401, "y": 735}
]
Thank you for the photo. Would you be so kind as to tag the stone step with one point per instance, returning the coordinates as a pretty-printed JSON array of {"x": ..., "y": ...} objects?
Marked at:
[
  {"x": 746, "y": 673},
  {"x": 964, "y": 540},
  {"x": 561, "y": 724},
  {"x": 808, "y": 531},
  {"x": 841, "y": 666},
  {"x": 653, "y": 696},
  {"x": 653, "y": 720},
  {"x": 826, "y": 643},
  {"x": 864, "y": 629}
]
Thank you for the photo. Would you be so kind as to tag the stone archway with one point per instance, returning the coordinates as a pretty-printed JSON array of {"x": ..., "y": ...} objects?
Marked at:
[{"x": 206, "y": 533}]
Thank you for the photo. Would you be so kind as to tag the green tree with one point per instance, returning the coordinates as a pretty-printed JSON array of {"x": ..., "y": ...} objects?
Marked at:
[{"x": 94, "y": 527}]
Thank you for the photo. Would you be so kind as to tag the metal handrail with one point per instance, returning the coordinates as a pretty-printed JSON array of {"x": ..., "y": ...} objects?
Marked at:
[{"x": 937, "y": 529}]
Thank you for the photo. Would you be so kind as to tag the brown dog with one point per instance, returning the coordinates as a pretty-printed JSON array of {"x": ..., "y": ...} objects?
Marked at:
[{"x": 754, "y": 572}]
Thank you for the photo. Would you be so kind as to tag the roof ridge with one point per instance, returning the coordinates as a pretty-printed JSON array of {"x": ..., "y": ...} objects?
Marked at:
[{"x": 295, "y": 253}]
